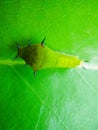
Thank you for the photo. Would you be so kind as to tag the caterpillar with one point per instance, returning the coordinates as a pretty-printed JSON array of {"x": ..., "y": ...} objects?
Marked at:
[{"x": 39, "y": 56}]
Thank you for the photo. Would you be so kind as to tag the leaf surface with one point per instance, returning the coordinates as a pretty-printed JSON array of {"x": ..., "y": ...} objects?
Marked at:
[{"x": 56, "y": 99}]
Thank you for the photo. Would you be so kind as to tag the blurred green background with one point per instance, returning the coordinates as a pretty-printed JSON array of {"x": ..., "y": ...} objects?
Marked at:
[{"x": 56, "y": 99}]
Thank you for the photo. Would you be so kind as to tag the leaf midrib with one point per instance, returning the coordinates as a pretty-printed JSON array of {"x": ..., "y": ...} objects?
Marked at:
[{"x": 11, "y": 62}]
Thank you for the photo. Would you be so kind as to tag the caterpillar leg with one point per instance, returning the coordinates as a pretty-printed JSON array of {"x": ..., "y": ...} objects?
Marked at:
[{"x": 42, "y": 43}]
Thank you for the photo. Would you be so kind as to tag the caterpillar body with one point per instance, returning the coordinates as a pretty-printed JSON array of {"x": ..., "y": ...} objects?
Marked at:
[{"x": 39, "y": 56}]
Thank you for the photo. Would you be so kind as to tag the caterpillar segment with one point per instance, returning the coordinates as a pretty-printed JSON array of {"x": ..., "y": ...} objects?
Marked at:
[{"x": 39, "y": 56}]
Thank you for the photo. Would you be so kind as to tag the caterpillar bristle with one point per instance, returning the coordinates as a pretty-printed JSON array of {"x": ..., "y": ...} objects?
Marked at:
[
  {"x": 86, "y": 61},
  {"x": 34, "y": 73},
  {"x": 18, "y": 46},
  {"x": 42, "y": 43}
]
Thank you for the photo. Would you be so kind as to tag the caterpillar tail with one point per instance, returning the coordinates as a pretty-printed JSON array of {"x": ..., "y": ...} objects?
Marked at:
[{"x": 85, "y": 65}]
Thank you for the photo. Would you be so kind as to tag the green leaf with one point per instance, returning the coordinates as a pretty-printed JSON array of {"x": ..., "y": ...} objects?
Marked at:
[{"x": 56, "y": 99}]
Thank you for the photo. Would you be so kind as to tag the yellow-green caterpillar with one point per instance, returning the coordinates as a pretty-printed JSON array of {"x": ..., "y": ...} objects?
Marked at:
[{"x": 39, "y": 56}]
